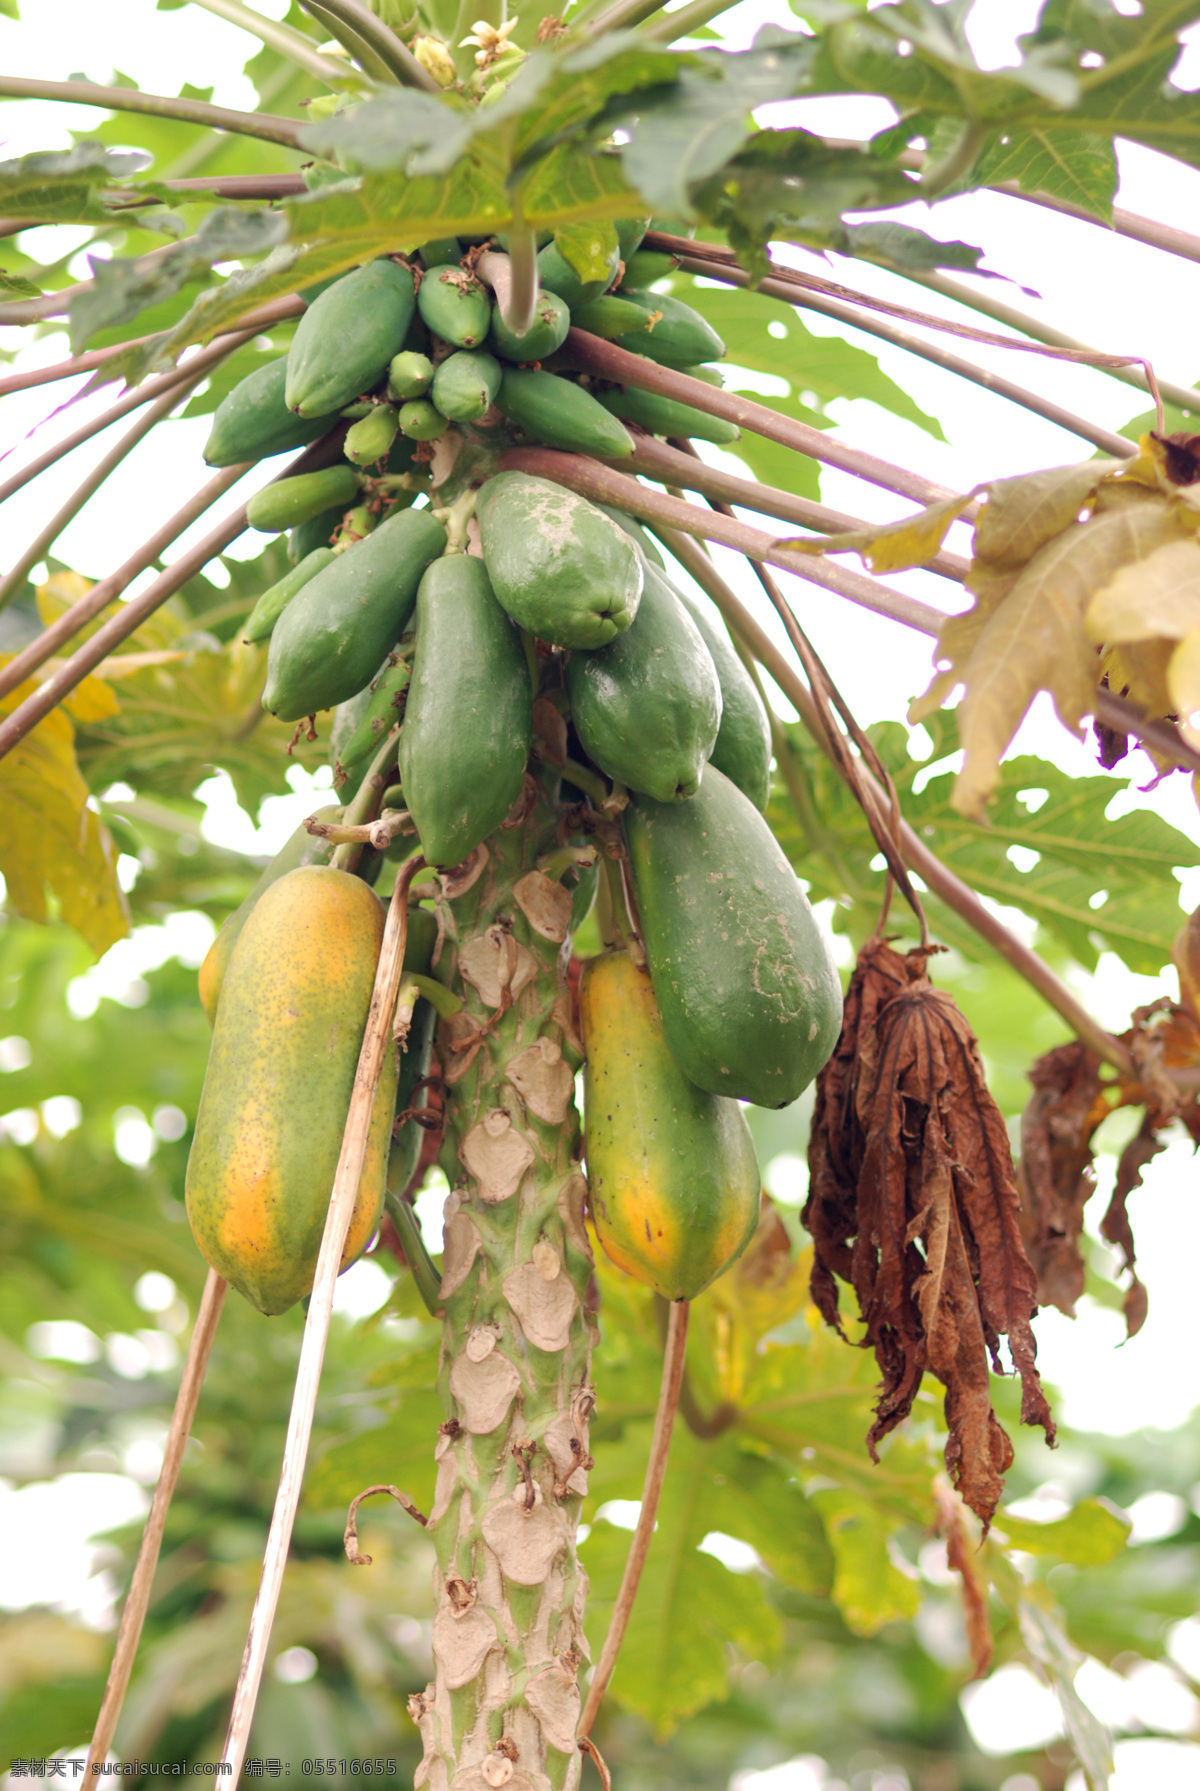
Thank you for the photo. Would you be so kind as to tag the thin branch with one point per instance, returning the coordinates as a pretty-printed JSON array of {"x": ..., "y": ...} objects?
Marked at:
[
  {"x": 379, "y": 833},
  {"x": 587, "y": 1746},
  {"x": 127, "y": 99},
  {"x": 131, "y": 615},
  {"x": 364, "y": 804},
  {"x": 604, "y": 359},
  {"x": 16, "y": 575},
  {"x": 1068, "y": 347},
  {"x": 623, "y": 16},
  {"x": 286, "y": 42},
  {"x": 860, "y": 318},
  {"x": 352, "y": 43},
  {"x": 674, "y": 1358},
  {"x": 255, "y": 321},
  {"x": 602, "y": 484},
  {"x": 673, "y": 465},
  {"x": 170, "y": 381},
  {"x": 965, "y": 903},
  {"x": 387, "y": 46},
  {"x": 138, "y": 1598},
  {"x": 377, "y": 1040},
  {"x": 350, "y": 1535},
  {"x": 685, "y": 20},
  {"x": 712, "y": 256},
  {"x": 424, "y": 1270}
]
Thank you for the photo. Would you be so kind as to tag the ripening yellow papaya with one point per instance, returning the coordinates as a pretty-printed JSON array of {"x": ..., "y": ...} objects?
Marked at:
[
  {"x": 285, "y": 1048},
  {"x": 673, "y": 1179}
]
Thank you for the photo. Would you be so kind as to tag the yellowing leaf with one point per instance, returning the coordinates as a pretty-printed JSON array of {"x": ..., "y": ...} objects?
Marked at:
[
  {"x": 896, "y": 546},
  {"x": 91, "y": 700},
  {"x": 1183, "y": 680},
  {"x": 59, "y": 592},
  {"x": 51, "y": 838},
  {"x": 1156, "y": 596},
  {"x": 1035, "y": 640},
  {"x": 1022, "y": 514}
]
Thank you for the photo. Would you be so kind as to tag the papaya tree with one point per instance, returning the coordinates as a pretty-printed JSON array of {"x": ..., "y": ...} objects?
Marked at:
[{"x": 456, "y": 297}]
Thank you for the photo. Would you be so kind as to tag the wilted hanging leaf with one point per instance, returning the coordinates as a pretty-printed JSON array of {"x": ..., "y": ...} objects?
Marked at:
[
  {"x": 913, "y": 1202},
  {"x": 962, "y": 1557},
  {"x": 1055, "y": 1176},
  {"x": 893, "y": 546},
  {"x": 51, "y": 838}
]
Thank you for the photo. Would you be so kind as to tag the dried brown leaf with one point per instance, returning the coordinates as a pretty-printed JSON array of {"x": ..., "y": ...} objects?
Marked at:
[
  {"x": 1022, "y": 514},
  {"x": 913, "y": 1201},
  {"x": 962, "y": 1557},
  {"x": 1055, "y": 1176}
]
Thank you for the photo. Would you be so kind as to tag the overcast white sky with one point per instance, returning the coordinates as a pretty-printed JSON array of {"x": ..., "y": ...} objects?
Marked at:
[{"x": 1112, "y": 293}]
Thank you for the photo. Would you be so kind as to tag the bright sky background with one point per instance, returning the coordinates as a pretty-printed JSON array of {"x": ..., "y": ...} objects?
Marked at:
[{"x": 1108, "y": 291}]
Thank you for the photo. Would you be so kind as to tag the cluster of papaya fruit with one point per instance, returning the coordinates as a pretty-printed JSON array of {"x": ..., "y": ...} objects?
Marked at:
[{"x": 729, "y": 993}]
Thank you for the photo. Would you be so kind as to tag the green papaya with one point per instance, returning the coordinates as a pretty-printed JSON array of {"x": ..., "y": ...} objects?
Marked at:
[
  {"x": 712, "y": 376},
  {"x": 679, "y": 338},
  {"x": 302, "y": 848},
  {"x": 744, "y": 978},
  {"x": 252, "y": 422},
  {"x": 630, "y": 232},
  {"x": 556, "y": 274},
  {"x": 275, "y": 599},
  {"x": 281, "y": 1070},
  {"x": 289, "y": 502},
  {"x": 444, "y": 251},
  {"x": 468, "y": 726},
  {"x": 611, "y": 316},
  {"x": 562, "y": 414},
  {"x": 421, "y": 421},
  {"x": 664, "y": 416},
  {"x": 647, "y": 706},
  {"x": 548, "y": 331},
  {"x": 348, "y": 774},
  {"x": 673, "y": 1181},
  {"x": 414, "y": 1059},
  {"x": 346, "y": 339},
  {"x": 317, "y": 532},
  {"x": 387, "y": 693},
  {"x": 370, "y": 438},
  {"x": 743, "y": 747},
  {"x": 636, "y": 532},
  {"x": 456, "y": 306},
  {"x": 465, "y": 385},
  {"x": 645, "y": 266},
  {"x": 559, "y": 566},
  {"x": 335, "y": 633},
  {"x": 409, "y": 376}
]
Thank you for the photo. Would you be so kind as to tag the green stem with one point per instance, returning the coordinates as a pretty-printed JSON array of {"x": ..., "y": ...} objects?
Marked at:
[
  {"x": 368, "y": 59},
  {"x": 157, "y": 105},
  {"x": 444, "y": 1001},
  {"x": 596, "y": 19},
  {"x": 286, "y": 42},
  {"x": 456, "y": 519},
  {"x": 685, "y": 21},
  {"x": 424, "y": 1271},
  {"x": 590, "y": 782},
  {"x": 364, "y": 805},
  {"x": 386, "y": 45}
]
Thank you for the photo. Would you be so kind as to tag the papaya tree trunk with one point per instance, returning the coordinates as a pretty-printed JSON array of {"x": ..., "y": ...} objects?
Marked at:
[{"x": 512, "y": 1454}]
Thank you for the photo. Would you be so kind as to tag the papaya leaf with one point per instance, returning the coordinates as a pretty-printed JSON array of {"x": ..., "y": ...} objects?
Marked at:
[
  {"x": 587, "y": 248},
  {"x": 1046, "y": 1639},
  {"x": 766, "y": 335},
  {"x": 1159, "y": 595},
  {"x": 894, "y": 546},
  {"x": 1054, "y": 824},
  {"x": 1079, "y": 167},
  {"x": 399, "y": 131},
  {"x": 124, "y": 287},
  {"x": 52, "y": 841},
  {"x": 912, "y": 251},
  {"x": 790, "y": 184},
  {"x": 1034, "y": 639},
  {"x": 1090, "y": 1534},
  {"x": 868, "y": 1587},
  {"x": 16, "y": 286},
  {"x": 685, "y": 133},
  {"x": 64, "y": 186}
]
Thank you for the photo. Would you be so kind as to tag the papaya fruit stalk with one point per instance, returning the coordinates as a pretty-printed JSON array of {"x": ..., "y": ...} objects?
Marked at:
[{"x": 513, "y": 1451}]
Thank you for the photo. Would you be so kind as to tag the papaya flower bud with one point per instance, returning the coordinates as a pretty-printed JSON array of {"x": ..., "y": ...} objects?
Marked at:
[{"x": 435, "y": 59}]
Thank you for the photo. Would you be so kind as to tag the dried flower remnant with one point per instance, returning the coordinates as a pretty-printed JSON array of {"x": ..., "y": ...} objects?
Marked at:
[{"x": 913, "y": 1202}]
